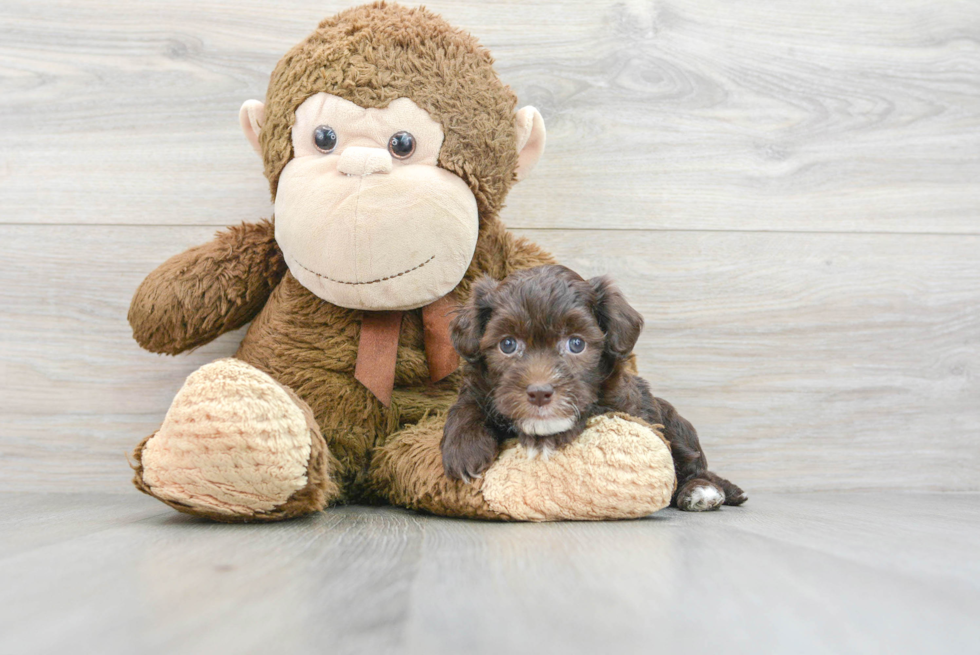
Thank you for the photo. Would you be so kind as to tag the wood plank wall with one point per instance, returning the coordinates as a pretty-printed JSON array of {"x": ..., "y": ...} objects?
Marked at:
[{"x": 788, "y": 191}]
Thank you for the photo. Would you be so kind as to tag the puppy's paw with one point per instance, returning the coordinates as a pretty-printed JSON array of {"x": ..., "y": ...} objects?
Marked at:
[
  {"x": 700, "y": 496},
  {"x": 733, "y": 493},
  {"x": 467, "y": 472},
  {"x": 467, "y": 463}
]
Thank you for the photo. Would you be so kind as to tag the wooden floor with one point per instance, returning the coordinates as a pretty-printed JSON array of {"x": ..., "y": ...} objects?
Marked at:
[{"x": 792, "y": 573}]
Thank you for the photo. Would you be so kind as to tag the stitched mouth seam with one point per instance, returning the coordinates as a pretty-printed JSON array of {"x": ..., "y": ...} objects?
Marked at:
[{"x": 354, "y": 284}]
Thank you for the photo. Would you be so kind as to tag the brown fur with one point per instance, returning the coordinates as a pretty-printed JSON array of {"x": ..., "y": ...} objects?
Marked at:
[
  {"x": 373, "y": 54},
  {"x": 369, "y": 55},
  {"x": 541, "y": 309},
  {"x": 198, "y": 295}
]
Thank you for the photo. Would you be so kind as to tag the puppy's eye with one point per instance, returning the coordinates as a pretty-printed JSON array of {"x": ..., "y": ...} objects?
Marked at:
[
  {"x": 508, "y": 346},
  {"x": 401, "y": 145},
  {"x": 576, "y": 345},
  {"x": 325, "y": 138}
]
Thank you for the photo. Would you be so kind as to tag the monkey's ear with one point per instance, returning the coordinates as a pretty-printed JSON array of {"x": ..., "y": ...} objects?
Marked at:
[
  {"x": 621, "y": 323},
  {"x": 252, "y": 118},
  {"x": 530, "y": 140},
  {"x": 467, "y": 327}
]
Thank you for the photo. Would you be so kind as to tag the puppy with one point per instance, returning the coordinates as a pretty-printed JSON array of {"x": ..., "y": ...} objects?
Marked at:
[{"x": 546, "y": 350}]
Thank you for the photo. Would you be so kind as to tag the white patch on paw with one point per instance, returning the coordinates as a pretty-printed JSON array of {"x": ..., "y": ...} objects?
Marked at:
[
  {"x": 703, "y": 498},
  {"x": 543, "y": 427}
]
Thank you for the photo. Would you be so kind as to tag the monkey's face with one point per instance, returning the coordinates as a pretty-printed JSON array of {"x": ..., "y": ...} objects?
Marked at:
[
  {"x": 365, "y": 217},
  {"x": 388, "y": 141}
]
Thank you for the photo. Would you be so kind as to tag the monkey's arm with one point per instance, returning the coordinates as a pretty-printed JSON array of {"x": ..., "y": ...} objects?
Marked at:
[{"x": 214, "y": 288}]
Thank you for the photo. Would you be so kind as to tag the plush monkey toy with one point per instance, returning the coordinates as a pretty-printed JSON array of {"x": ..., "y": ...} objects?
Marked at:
[{"x": 389, "y": 144}]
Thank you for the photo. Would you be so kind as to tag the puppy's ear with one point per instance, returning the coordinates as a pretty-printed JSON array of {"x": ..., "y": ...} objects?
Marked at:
[
  {"x": 466, "y": 328},
  {"x": 621, "y": 323}
]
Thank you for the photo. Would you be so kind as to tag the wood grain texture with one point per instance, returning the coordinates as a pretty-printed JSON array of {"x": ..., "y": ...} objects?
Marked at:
[
  {"x": 806, "y": 361},
  {"x": 787, "y": 191},
  {"x": 791, "y": 573},
  {"x": 780, "y": 115}
]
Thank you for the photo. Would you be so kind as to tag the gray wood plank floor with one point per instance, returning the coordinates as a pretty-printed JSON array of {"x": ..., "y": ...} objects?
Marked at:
[{"x": 859, "y": 572}]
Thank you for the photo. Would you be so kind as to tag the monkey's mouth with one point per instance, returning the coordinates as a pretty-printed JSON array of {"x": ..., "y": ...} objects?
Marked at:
[{"x": 357, "y": 284}]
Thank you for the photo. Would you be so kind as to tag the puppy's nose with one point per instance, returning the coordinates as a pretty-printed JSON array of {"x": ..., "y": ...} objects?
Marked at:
[
  {"x": 540, "y": 394},
  {"x": 361, "y": 161}
]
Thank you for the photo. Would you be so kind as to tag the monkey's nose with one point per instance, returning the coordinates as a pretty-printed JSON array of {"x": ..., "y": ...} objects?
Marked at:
[
  {"x": 540, "y": 394},
  {"x": 361, "y": 161}
]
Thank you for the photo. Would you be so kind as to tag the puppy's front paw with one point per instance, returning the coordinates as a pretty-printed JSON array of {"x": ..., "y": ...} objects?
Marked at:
[
  {"x": 468, "y": 460},
  {"x": 733, "y": 493},
  {"x": 699, "y": 496}
]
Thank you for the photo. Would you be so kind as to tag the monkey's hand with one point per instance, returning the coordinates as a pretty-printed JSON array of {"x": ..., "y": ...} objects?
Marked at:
[
  {"x": 468, "y": 448},
  {"x": 195, "y": 296}
]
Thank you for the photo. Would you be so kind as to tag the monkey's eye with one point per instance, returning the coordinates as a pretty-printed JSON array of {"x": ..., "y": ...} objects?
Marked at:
[
  {"x": 508, "y": 346},
  {"x": 325, "y": 138},
  {"x": 401, "y": 145},
  {"x": 576, "y": 345}
]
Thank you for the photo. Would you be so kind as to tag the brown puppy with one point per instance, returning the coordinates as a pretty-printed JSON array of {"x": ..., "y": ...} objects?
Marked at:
[{"x": 546, "y": 350}]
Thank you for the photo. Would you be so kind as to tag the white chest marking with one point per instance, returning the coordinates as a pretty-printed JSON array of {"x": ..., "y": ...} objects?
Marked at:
[{"x": 543, "y": 427}]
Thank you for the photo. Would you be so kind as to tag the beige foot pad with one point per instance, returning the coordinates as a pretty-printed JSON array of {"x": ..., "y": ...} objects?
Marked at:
[
  {"x": 236, "y": 446},
  {"x": 618, "y": 468}
]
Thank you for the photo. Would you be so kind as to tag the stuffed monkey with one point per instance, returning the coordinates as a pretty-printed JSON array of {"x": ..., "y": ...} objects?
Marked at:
[{"x": 389, "y": 144}]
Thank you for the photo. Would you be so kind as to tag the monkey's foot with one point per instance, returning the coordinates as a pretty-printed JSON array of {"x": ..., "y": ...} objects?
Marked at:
[
  {"x": 237, "y": 446},
  {"x": 619, "y": 468}
]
